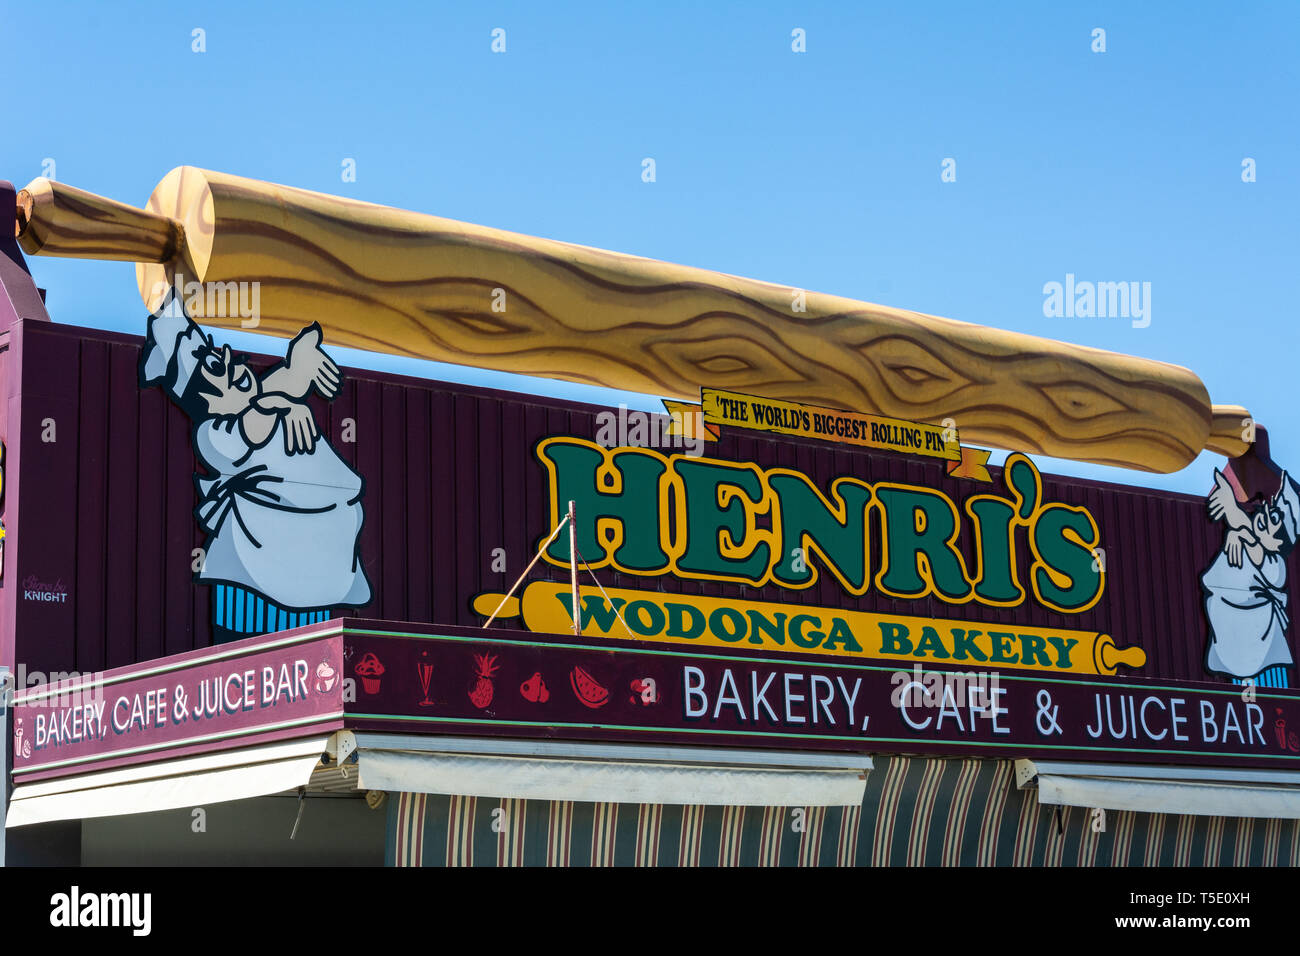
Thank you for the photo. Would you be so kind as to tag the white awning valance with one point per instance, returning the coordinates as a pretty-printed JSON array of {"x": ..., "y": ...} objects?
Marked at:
[
  {"x": 556, "y": 770},
  {"x": 483, "y": 767},
  {"x": 168, "y": 784},
  {"x": 1199, "y": 791}
]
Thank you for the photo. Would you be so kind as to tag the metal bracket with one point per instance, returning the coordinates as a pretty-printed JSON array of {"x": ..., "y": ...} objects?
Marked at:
[
  {"x": 341, "y": 746},
  {"x": 1026, "y": 774}
]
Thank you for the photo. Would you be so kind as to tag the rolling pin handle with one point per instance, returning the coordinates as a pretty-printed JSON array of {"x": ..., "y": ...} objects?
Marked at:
[
  {"x": 1107, "y": 656},
  {"x": 22, "y": 212},
  {"x": 55, "y": 219}
]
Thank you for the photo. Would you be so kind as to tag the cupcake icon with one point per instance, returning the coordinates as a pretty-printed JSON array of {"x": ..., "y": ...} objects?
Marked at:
[
  {"x": 326, "y": 677},
  {"x": 370, "y": 671}
]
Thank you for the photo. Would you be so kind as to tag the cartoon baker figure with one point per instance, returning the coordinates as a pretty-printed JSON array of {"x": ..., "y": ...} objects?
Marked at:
[
  {"x": 1245, "y": 588},
  {"x": 282, "y": 511}
]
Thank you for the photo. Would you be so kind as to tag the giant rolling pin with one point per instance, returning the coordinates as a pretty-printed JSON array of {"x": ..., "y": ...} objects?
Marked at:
[{"x": 395, "y": 281}]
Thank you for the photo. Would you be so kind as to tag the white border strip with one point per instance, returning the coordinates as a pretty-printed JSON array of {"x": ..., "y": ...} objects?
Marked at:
[{"x": 808, "y": 759}]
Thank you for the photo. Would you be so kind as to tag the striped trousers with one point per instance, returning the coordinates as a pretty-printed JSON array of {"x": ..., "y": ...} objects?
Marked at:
[
  {"x": 238, "y": 612},
  {"x": 1269, "y": 677}
]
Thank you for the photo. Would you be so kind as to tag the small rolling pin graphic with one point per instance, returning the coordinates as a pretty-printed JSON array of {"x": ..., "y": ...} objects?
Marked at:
[
  {"x": 662, "y": 616},
  {"x": 394, "y": 281}
]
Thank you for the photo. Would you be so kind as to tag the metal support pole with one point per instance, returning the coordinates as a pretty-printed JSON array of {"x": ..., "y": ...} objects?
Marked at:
[{"x": 573, "y": 568}]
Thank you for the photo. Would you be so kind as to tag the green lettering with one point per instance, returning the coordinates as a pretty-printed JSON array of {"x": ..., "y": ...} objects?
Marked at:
[
  {"x": 703, "y": 482},
  {"x": 932, "y": 642},
  {"x": 1064, "y": 539},
  {"x": 1022, "y": 478},
  {"x": 775, "y": 629},
  {"x": 1033, "y": 649},
  {"x": 1003, "y": 643},
  {"x": 893, "y": 639},
  {"x": 594, "y": 610},
  {"x": 812, "y": 638},
  {"x": 805, "y": 519},
  {"x": 676, "y": 621},
  {"x": 964, "y": 645},
  {"x": 634, "y": 506},
  {"x": 1063, "y": 647},
  {"x": 718, "y": 624},
  {"x": 908, "y": 549},
  {"x": 996, "y": 584},
  {"x": 841, "y": 635},
  {"x": 654, "y": 618}
]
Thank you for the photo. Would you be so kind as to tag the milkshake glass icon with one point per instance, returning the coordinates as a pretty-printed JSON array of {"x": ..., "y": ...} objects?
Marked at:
[
  {"x": 22, "y": 746},
  {"x": 425, "y": 668}
]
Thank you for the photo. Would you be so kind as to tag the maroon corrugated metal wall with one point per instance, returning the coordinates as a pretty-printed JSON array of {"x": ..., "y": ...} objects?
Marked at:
[{"x": 107, "y": 487}]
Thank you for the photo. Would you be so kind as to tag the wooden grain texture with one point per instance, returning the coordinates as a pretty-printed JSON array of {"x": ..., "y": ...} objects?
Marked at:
[
  {"x": 389, "y": 280},
  {"x": 1228, "y": 426},
  {"x": 55, "y": 219}
]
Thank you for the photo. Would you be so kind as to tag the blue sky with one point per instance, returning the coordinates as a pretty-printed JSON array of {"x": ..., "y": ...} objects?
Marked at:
[{"x": 820, "y": 170}]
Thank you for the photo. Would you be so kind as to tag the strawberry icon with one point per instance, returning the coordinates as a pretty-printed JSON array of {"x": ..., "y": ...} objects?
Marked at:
[
  {"x": 644, "y": 690},
  {"x": 534, "y": 689}
]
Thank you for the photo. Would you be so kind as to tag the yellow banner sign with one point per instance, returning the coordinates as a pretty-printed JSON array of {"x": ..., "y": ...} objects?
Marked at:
[
  {"x": 828, "y": 424},
  {"x": 627, "y": 614}
]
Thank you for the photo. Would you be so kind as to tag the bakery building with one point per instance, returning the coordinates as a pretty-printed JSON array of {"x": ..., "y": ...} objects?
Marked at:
[{"x": 269, "y": 609}]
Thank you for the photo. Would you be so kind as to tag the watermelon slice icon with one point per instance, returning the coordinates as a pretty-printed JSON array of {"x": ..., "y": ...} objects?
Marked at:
[{"x": 587, "y": 690}]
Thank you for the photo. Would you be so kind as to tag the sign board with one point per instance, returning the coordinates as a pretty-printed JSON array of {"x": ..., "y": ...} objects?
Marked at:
[
  {"x": 179, "y": 515},
  {"x": 488, "y": 683},
  {"x": 374, "y": 675},
  {"x": 257, "y": 691}
]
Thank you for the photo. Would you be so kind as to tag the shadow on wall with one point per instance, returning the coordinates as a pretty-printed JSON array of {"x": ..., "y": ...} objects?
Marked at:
[{"x": 335, "y": 831}]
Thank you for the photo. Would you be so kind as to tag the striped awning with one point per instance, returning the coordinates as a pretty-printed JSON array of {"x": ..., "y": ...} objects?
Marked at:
[{"x": 915, "y": 812}]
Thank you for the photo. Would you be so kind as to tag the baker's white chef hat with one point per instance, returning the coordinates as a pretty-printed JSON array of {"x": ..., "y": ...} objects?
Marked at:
[{"x": 173, "y": 346}]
